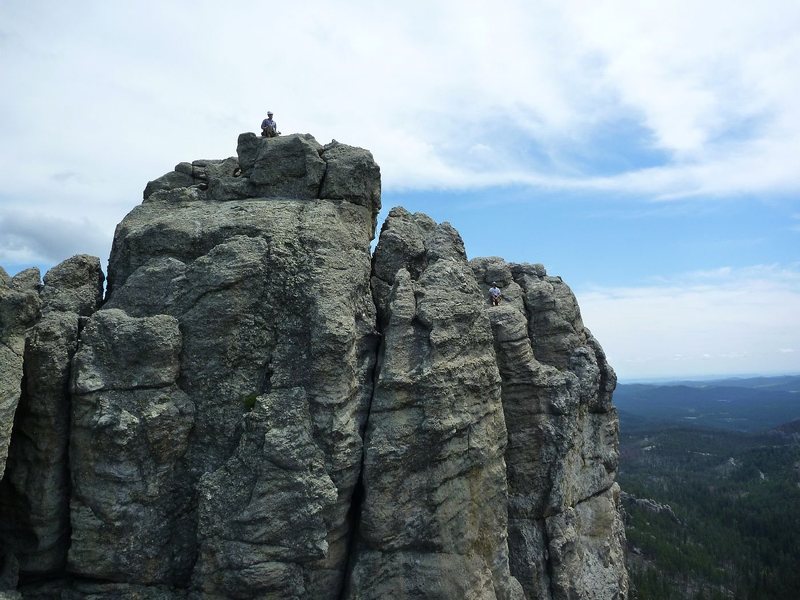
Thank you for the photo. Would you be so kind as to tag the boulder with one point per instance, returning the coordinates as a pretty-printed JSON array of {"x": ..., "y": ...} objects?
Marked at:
[
  {"x": 351, "y": 175},
  {"x": 75, "y": 285},
  {"x": 170, "y": 181},
  {"x": 286, "y": 166},
  {"x": 29, "y": 279}
]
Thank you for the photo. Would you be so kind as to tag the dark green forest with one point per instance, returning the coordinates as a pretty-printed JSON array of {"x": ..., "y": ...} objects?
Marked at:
[{"x": 733, "y": 530}]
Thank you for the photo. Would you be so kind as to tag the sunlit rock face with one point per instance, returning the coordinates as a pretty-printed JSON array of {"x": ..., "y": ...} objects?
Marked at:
[
  {"x": 433, "y": 517},
  {"x": 566, "y": 539},
  {"x": 261, "y": 407}
]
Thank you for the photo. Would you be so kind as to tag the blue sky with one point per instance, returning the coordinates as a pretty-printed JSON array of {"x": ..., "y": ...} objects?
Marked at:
[
  {"x": 613, "y": 241},
  {"x": 646, "y": 152}
]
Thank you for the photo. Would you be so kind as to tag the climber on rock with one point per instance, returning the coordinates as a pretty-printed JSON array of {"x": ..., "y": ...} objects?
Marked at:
[
  {"x": 495, "y": 294},
  {"x": 268, "y": 127}
]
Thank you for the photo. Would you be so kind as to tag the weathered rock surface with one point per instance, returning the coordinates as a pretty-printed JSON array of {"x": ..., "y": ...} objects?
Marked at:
[
  {"x": 19, "y": 309},
  {"x": 562, "y": 429},
  {"x": 75, "y": 285},
  {"x": 272, "y": 295},
  {"x": 34, "y": 493},
  {"x": 245, "y": 552},
  {"x": 288, "y": 166},
  {"x": 434, "y": 519},
  {"x": 130, "y": 429},
  {"x": 585, "y": 547},
  {"x": 260, "y": 409}
]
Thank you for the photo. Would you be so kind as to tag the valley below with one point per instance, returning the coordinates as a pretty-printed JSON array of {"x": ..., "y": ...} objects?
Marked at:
[{"x": 710, "y": 474}]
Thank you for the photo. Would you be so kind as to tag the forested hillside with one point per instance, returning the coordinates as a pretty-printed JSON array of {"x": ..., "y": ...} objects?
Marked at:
[{"x": 711, "y": 513}]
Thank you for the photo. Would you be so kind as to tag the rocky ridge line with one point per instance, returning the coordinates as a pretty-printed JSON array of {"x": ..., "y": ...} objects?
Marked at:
[{"x": 261, "y": 409}]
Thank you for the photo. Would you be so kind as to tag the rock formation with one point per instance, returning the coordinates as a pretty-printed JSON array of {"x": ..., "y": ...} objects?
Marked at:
[
  {"x": 261, "y": 408},
  {"x": 35, "y": 490}
]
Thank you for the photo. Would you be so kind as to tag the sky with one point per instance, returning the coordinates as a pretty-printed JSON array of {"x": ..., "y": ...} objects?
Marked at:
[{"x": 647, "y": 152}]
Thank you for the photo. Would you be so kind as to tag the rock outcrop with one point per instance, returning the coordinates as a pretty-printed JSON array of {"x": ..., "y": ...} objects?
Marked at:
[
  {"x": 19, "y": 310},
  {"x": 433, "y": 518},
  {"x": 35, "y": 491},
  {"x": 261, "y": 408},
  {"x": 562, "y": 429}
]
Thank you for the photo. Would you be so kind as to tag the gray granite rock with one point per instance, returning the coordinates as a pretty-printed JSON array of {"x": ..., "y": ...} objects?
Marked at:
[
  {"x": 130, "y": 429},
  {"x": 75, "y": 285},
  {"x": 29, "y": 279},
  {"x": 263, "y": 410},
  {"x": 586, "y": 549},
  {"x": 34, "y": 494},
  {"x": 78, "y": 589},
  {"x": 245, "y": 552},
  {"x": 19, "y": 309},
  {"x": 433, "y": 519},
  {"x": 127, "y": 353},
  {"x": 351, "y": 174},
  {"x": 271, "y": 295},
  {"x": 169, "y": 181},
  {"x": 285, "y": 166},
  {"x": 195, "y": 182},
  {"x": 562, "y": 429}
]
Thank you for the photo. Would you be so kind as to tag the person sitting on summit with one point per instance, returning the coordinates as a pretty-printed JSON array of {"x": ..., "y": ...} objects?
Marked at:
[
  {"x": 268, "y": 127},
  {"x": 494, "y": 294}
]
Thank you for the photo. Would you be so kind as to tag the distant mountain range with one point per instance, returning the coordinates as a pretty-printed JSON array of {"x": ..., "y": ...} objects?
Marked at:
[{"x": 750, "y": 404}]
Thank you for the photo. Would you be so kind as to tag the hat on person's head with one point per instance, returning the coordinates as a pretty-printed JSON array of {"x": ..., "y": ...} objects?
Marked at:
[{"x": 269, "y": 113}]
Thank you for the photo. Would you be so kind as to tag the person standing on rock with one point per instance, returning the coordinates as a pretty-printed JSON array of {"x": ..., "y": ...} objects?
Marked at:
[
  {"x": 494, "y": 294},
  {"x": 268, "y": 127}
]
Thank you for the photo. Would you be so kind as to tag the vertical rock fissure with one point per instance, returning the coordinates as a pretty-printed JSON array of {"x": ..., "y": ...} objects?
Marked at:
[
  {"x": 62, "y": 573},
  {"x": 548, "y": 562},
  {"x": 66, "y": 463},
  {"x": 322, "y": 179},
  {"x": 354, "y": 516},
  {"x": 357, "y": 499},
  {"x": 11, "y": 521}
]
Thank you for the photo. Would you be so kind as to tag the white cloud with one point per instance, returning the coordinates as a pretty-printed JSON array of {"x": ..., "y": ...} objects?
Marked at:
[
  {"x": 27, "y": 238},
  {"x": 99, "y": 97},
  {"x": 721, "y": 322}
]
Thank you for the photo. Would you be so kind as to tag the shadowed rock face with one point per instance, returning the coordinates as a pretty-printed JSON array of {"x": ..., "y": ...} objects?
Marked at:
[
  {"x": 34, "y": 494},
  {"x": 19, "y": 309},
  {"x": 259, "y": 408}
]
